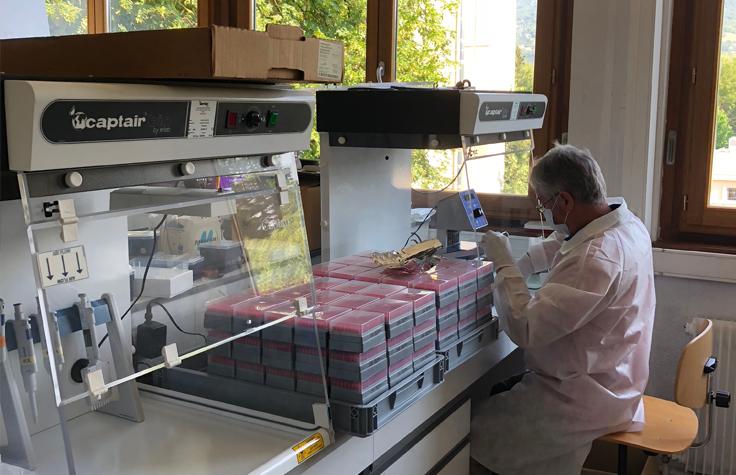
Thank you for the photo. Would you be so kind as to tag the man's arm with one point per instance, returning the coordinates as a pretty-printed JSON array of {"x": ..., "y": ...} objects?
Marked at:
[
  {"x": 575, "y": 292},
  {"x": 539, "y": 257}
]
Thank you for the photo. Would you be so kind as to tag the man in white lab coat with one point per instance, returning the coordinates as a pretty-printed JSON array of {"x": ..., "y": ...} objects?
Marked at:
[{"x": 586, "y": 333}]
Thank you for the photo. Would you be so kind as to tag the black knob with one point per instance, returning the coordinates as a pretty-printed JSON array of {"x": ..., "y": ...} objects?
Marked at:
[
  {"x": 723, "y": 399},
  {"x": 253, "y": 119}
]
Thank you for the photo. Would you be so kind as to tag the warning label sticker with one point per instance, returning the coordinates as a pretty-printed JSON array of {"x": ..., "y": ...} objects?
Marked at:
[{"x": 308, "y": 447}]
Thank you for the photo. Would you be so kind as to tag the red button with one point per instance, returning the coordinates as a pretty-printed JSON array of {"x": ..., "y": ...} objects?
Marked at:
[{"x": 232, "y": 120}]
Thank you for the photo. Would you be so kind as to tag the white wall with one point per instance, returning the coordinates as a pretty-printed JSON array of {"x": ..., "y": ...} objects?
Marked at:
[{"x": 613, "y": 87}]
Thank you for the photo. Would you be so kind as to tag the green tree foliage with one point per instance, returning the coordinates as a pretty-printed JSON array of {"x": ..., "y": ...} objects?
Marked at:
[
  {"x": 724, "y": 131},
  {"x": 516, "y": 161},
  {"x": 67, "y": 17},
  {"x": 727, "y": 87},
  {"x": 131, "y": 15}
]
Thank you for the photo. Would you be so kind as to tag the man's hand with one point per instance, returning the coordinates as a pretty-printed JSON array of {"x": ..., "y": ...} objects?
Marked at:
[{"x": 498, "y": 249}]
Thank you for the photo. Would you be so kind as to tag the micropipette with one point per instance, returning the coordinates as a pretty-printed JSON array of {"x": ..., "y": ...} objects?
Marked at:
[
  {"x": 26, "y": 357},
  {"x": 3, "y": 345},
  {"x": 55, "y": 336}
]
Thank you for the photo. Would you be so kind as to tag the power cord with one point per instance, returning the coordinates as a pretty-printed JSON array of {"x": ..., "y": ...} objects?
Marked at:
[
  {"x": 149, "y": 316},
  {"x": 414, "y": 233},
  {"x": 431, "y": 192},
  {"x": 145, "y": 276}
]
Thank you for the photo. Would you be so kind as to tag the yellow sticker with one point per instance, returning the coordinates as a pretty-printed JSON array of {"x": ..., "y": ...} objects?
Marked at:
[{"x": 308, "y": 447}]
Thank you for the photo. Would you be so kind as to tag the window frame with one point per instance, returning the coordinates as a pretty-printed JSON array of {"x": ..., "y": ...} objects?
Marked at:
[
  {"x": 552, "y": 60},
  {"x": 686, "y": 222}
]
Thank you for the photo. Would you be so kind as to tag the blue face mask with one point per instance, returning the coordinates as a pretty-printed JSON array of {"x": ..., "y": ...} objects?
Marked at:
[{"x": 549, "y": 218}]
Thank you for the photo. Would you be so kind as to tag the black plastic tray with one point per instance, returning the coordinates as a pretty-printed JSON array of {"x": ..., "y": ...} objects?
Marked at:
[
  {"x": 358, "y": 419},
  {"x": 460, "y": 350}
]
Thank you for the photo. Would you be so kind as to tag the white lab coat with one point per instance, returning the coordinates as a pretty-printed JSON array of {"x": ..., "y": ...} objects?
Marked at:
[{"x": 586, "y": 335}]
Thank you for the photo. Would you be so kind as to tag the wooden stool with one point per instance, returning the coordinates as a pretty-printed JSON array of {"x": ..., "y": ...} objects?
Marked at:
[{"x": 670, "y": 427}]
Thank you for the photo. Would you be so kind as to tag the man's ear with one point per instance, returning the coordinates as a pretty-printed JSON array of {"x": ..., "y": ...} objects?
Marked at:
[{"x": 567, "y": 201}]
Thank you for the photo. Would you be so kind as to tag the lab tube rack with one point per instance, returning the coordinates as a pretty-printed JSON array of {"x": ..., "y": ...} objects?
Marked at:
[
  {"x": 398, "y": 314},
  {"x": 277, "y": 354},
  {"x": 381, "y": 290},
  {"x": 221, "y": 366},
  {"x": 352, "y": 286},
  {"x": 215, "y": 336},
  {"x": 357, "y": 331},
  {"x": 423, "y": 302},
  {"x": 306, "y": 359},
  {"x": 424, "y": 334},
  {"x": 324, "y": 283},
  {"x": 326, "y": 269},
  {"x": 309, "y": 383},
  {"x": 400, "y": 370},
  {"x": 249, "y": 372},
  {"x": 354, "y": 301},
  {"x": 280, "y": 378},
  {"x": 357, "y": 366},
  {"x": 399, "y": 347},
  {"x": 447, "y": 317},
  {"x": 247, "y": 349},
  {"x": 359, "y": 392},
  {"x": 320, "y": 316},
  {"x": 374, "y": 276}
]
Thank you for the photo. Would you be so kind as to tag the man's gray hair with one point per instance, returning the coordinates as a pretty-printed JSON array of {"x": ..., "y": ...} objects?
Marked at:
[{"x": 568, "y": 168}]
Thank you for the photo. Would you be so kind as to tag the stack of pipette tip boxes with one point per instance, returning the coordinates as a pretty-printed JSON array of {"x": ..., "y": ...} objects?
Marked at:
[{"x": 366, "y": 328}]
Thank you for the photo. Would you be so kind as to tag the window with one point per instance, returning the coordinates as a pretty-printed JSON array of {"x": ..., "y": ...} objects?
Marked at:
[
  {"x": 67, "y": 17},
  {"x": 132, "y": 15},
  {"x": 524, "y": 48},
  {"x": 449, "y": 41},
  {"x": 699, "y": 182},
  {"x": 73, "y": 17}
]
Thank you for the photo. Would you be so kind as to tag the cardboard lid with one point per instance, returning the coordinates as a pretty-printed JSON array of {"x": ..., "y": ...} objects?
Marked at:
[
  {"x": 381, "y": 290},
  {"x": 391, "y": 309},
  {"x": 357, "y": 322}
]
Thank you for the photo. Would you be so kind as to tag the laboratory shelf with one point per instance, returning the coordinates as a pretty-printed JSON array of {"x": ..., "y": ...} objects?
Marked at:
[{"x": 176, "y": 437}]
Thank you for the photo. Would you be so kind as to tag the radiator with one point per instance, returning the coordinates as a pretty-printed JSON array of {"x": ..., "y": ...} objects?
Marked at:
[{"x": 718, "y": 457}]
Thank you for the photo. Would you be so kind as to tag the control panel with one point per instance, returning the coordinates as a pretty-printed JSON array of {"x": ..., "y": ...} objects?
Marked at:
[
  {"x": 240, "y": 118},
  {"x": 473, "y": 210},
  {"x": 531, "y": 110}
]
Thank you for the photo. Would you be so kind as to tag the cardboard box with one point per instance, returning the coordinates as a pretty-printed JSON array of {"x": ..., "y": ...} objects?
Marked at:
[
  {"x": 312, "y": 215},
  {"x": 279, "y": 54},
  {"x": 185, "y": 234}
]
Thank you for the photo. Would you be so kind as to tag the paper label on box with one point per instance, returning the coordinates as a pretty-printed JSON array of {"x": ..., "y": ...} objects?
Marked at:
[
  {"x": 330, "y": 60},
  {"x": 201, "y": 119}
]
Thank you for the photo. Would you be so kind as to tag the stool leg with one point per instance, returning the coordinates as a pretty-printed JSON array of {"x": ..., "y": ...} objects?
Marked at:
[{"x": 623, "y": 462}]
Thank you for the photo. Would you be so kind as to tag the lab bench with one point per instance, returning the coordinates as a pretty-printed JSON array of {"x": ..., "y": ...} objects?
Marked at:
[{"x": 208, "y": 437}]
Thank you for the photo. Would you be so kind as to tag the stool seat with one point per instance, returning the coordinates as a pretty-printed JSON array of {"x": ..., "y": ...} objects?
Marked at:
[{"x": 668, "y": 428}]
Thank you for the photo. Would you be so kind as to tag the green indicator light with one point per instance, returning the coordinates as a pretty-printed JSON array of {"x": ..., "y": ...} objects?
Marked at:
[{"x": 273, "y": 118}]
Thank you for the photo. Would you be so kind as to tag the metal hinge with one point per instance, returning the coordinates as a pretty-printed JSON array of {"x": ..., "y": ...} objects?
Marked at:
[
  {"x": 671, "y": 147},
  {"x": 684, "y": 202},
  {"x": 554, "y": 76},
  {"x": 693, "y": 74}
]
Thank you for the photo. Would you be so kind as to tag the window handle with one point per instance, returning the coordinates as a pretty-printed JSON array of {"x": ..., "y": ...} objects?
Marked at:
[{"x": 671, "y": 147}]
